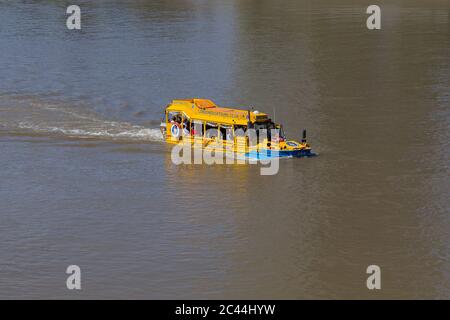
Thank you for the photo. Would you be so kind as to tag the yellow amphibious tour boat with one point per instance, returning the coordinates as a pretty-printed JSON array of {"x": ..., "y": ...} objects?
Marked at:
[{"x": 248, "y": 134}]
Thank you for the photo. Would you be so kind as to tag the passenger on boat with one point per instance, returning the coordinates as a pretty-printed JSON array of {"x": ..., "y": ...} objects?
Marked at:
[
  {"x": 185, "y": 126},
  {"x": 196, "y": 129}
]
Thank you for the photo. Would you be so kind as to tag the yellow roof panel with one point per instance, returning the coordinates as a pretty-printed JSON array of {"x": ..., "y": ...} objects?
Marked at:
[{"x": 206, "y": 110}]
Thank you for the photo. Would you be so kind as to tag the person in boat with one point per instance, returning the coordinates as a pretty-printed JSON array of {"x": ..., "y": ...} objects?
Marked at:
[
  {"x": 185, "y": 126},
  {"x": 195, "y": 131},
  {"x": 176, "y": 120},
  {"x": 229, "y": 134}
]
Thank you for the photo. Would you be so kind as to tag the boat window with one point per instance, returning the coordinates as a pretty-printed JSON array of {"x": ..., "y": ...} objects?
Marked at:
[
  {"x": 226, "y": 132},
  {"x": 174, "y": 116},
  {"x": 280, "y": 131},
  {"x": 197, "y": 128},
  {"x": 186, "y": 125},
  {"x": 211, "y": 130},
  {"x": 239, "y": 131},
  {"x": 264, "y": 129}
]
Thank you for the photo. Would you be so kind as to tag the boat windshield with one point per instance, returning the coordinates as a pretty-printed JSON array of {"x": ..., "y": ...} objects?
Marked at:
[
  {"x": 265, "y": 129},
  {"x": 281, "y": 131}
]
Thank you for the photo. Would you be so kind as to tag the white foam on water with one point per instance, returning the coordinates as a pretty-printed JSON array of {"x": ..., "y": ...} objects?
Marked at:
[
  {"x": 33, "y": 115},
  {"x": 120, "y": 131}
]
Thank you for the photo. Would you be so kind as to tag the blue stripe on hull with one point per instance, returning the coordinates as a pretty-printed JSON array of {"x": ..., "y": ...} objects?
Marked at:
[{"x": 270, "y": 154}]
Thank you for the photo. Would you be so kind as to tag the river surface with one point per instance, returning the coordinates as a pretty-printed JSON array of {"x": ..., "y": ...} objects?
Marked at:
[{"x": 86, "y": 180}]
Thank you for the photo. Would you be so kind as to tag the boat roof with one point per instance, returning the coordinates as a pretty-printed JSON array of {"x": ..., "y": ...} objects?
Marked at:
[{"x": 207, "y": 110}]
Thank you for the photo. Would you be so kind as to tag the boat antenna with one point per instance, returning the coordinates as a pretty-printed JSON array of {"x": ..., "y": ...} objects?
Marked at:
[
  {"x": 304, "y": 136},
  {"x": 274, "y": 118}
]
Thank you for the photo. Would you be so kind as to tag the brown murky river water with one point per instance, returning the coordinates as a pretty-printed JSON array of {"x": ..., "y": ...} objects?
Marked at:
[{"x": 86, "y": 180}]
